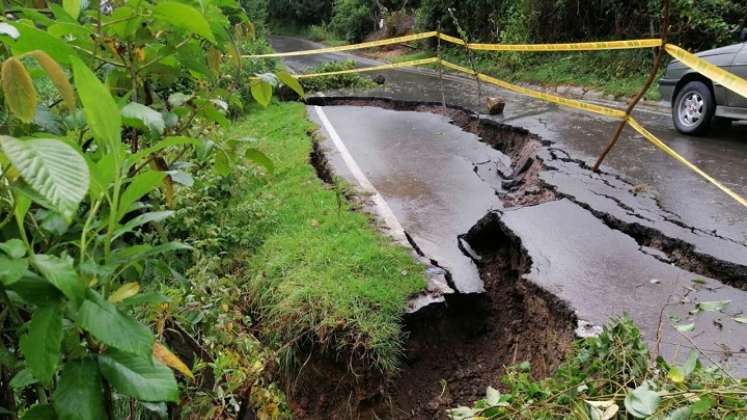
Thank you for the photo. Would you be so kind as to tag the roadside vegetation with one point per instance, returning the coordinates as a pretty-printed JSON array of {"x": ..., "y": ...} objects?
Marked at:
[
  {"x": 613, "y": 376},
  {"x": 337, "y": 81},
  {"x": 696, "y": 26},
  {"x": 168, "y": 251}
]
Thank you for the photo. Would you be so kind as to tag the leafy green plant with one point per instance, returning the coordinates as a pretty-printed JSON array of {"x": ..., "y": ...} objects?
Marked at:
[
  {"x": 339, "y": 81},
  {"x": 612, "y": 375},
  {"x": 87, "y": 175}
]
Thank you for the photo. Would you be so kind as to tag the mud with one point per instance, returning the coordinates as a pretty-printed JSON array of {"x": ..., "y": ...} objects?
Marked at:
[{"x": 454, "y": 351}]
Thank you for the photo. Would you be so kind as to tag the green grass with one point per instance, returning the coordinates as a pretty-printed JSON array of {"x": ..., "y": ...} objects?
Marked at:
[
  {"x": 317, "y": 33},
  {"x": 618, "y": 73},
  {"x": 321, "y": 273}
]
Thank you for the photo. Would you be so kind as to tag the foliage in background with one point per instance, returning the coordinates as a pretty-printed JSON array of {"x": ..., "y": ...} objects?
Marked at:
[
  {"x": 612, "y": 376},
  {"x": 353, "y": 19},
  {"x": 339, "y": 81}
]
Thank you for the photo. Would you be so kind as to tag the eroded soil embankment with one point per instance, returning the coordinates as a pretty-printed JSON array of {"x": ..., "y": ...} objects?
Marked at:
[{"x": 454, "y": 351}]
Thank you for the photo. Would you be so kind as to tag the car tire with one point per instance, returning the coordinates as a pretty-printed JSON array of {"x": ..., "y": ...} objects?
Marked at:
[{"x": 694, "y": 109}]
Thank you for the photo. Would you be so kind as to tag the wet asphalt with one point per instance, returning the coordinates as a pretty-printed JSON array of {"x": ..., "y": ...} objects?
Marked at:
[{"x": 433, "y": 175}]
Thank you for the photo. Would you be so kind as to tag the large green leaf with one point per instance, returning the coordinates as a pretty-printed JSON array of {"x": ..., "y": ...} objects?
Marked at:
[
  {"x": 61, "y": 273},
  {"x": 102, "y": 113},
  {"x": 32, "y": 38},
  {"x": 14, "y": 248},
  {"x": 80, "y": 392},
  {"x": 41, "y": 345},
  {"x": 141, "y": 185},
  {"x": 642, "y": 402},
  {"x": 184, "y": 17},
  {"x": 113, "y": 327},
  {"x": 259, "y": 158},
  {"x": 72, "y": 7},
  {"x": 40, "y": 412},
  {"x": 11, "y": 270},
  {"x": 52, "y": 168},
  {"x": 261, "y": 91},
  {"x": 35, "y": 290},
  {"x": 20, "y": 95},
  {"x": 143, "y": 117},
  {"x": 290, "y": 81},
  {"x": 139, "y": 376}
]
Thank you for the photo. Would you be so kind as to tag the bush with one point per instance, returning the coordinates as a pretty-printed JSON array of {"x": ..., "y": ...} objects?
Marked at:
[
  {"x": 340, "y": 81},
  {"x": 353, "y": 19},
  {"x": 612, "y": 374},
  {"x": 697, "y": 24},
  {"x": 301, "y": 12}
]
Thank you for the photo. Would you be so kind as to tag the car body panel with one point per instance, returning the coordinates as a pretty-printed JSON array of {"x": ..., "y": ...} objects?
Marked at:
[
  {"x": 732, "y": 58},
  {"x": 739, "y": 67}
]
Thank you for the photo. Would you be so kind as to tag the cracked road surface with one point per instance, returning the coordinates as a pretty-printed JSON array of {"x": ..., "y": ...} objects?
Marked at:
[{"x": 596, "y": 241}]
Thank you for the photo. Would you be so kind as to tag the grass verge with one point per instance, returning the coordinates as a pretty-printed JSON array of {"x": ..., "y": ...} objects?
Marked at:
[
  {"x": 617, "y": 73},
  {"x": 283, "y": 265},
  {"x": 322, "y": 272}
]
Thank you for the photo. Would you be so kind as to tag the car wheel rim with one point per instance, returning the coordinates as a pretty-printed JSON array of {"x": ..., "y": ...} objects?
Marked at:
[{"x": 691, "y": 109}]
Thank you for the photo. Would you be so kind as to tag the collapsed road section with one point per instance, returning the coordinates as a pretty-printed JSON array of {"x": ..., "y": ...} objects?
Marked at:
[{"x": 534, "y": 244}]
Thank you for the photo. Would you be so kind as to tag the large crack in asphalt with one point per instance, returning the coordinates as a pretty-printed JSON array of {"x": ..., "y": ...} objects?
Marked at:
[
  {"x": 523, "y": 184},
  {"x": 461, "y": 344}
]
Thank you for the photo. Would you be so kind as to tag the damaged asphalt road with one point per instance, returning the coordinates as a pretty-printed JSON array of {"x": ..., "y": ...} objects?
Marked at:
[{"x": 602, "y": 244}]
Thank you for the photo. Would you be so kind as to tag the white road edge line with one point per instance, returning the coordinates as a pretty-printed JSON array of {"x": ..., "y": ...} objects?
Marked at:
[{"x": 383, "y": 208}]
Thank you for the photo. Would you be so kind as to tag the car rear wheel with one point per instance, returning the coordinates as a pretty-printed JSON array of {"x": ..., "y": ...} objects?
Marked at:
[{"x": 694, "y": 108}]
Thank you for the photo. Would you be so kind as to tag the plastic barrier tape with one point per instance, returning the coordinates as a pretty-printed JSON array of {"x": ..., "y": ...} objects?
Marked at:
[
  {"x": 372, "y": 44},
  {"x": 582, "y": 46},
  {"x": 584, "y": 106},
  {"x": 668, "y": 150},
  {"x": 413, "y": 63},
  {"x": 728, "y": 80}
]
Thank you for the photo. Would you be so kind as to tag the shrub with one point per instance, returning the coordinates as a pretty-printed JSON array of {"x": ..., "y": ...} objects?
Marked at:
[
  {"x": 340, "y": 81},
  {"x": 353, "y": 19}
]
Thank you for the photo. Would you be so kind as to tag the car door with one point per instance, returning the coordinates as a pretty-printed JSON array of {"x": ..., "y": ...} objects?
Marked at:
[{"x": 739, "y": 67}]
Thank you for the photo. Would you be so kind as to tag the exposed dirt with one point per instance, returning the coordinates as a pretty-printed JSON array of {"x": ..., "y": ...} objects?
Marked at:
[
  {"x": 453, "y": 352},
  {"x": 456, "y": 351}
]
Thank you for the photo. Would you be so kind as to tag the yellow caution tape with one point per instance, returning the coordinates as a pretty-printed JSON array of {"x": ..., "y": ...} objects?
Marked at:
[
  {"x": 728, "y": 80},
  {"x": 413, "y": 63},
  {"x": 372, "y": 44},
  {"x": 581, "y": 46},
  {"x": 584, "y": 106},
  {"x": 668, "y": 150},
  {"x": 452, "y": 39}
]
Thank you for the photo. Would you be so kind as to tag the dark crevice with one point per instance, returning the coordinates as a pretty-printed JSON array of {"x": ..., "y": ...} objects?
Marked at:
[{"x": 419, "y": 251}]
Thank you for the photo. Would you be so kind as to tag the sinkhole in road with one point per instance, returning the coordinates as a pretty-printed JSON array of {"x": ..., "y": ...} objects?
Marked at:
[{"x": 455, "y": 350}]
